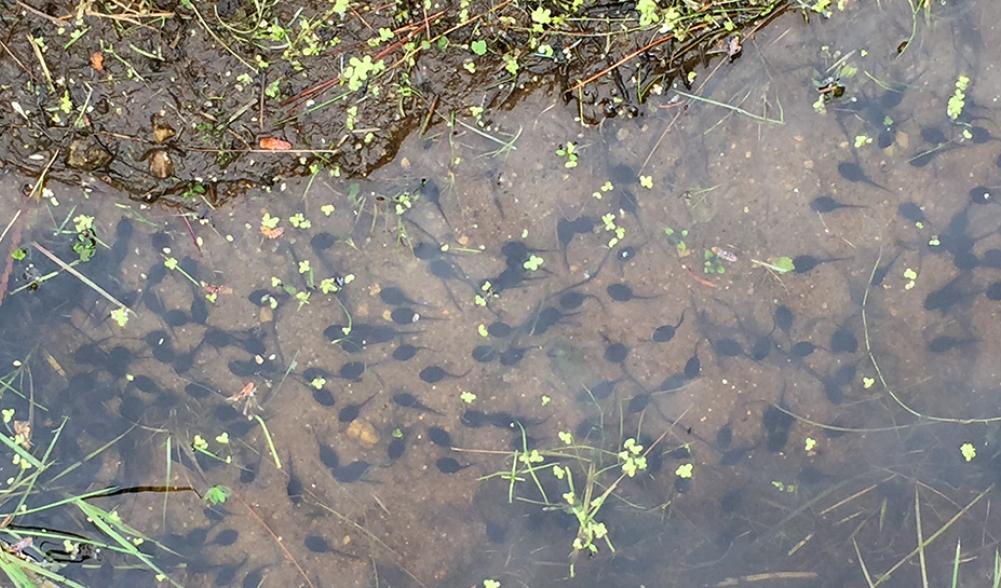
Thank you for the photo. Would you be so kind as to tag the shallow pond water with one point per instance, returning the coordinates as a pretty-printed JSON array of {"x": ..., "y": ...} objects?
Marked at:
[{"x": 794, "y": 313}]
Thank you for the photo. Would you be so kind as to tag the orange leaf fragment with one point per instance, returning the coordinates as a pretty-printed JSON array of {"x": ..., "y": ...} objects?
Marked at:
[
  {"x": 97, "y": 61},
  {"x": 274, "y": 144},
  {"x": 272, "y": 233},
  {"x": 246, "y": 392}
]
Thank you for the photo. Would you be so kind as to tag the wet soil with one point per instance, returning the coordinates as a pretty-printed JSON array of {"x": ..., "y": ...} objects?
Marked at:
[
  {"x": 194, "y": 103},
  {"x": 824, "y": 364}
]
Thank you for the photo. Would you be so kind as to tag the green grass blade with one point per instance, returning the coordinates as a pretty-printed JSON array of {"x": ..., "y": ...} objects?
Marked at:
[
  {"x": 955, "y": 566},
  {"x": 997, "y": 569},
  {"x": 113, "y": 528}
]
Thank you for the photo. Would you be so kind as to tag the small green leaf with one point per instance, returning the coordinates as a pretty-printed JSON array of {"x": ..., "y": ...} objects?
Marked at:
[
  {"x": 216, "y": 495},
  {"x": 467, "y": 397},
  {"x": 120, "y": 316},
  {"x": 533, "y": 263},
  {"x": 684, "y": 471},
  {"x": 479, "y": 47},
  {"x": 783, "y": 264},
  {"x": 968, "y": 450}
]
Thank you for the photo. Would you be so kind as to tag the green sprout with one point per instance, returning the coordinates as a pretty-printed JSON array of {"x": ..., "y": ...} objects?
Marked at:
[
  {"x": 467, "y": 397},
  {"x": 619, "y": 232},
  {"x": 569, "y": 152},
  {"x": 957, "y": 102},
  {"x": 678, "y": 240},
  {"x": 631, "y": 457},
  {"x": 713, "y": 264},
  {"x": 121, "y": 316},
  {"x": 533, "y": 263},
  {"x": 968, "y": 450},
  {"x": 216, "y": 495},
  {"x": 299, "y": 221},
  {"x": 358, "y": 71},
  {"x": 86, "y": 239}
]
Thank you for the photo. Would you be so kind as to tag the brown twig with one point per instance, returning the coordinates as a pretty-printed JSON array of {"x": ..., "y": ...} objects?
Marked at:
[{"x": 278, "y": 540}]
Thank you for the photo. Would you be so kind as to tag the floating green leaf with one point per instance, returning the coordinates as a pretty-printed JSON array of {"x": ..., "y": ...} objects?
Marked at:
[
  {"x": 216, "y": 495},
  {"x": 783, "y": 264},
  {"x": 121, "y": 316}
]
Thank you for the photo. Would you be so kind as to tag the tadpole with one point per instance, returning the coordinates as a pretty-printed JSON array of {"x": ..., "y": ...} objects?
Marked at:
[
  {"x": 805, "y": 263},
  {"x": 440, "y": 437},
  {"x": 600, "y": 391},
  {"x": 546, "y": 319},
  {"x": 434, "y": 374},
  {"x": 352, "y": 370},
  {"x": 394, "y": 296},
  {"x": 843, "y": 341},
  {"x": 911, "y": 212},
  {"x": 665, "y": 333},
  {"x": 616, "y": 353},
  {"x": 404, "y": 315},
  {"x": 944, "y": 343},
  {"x": 449, "y": 465},
  {"x": 294, "y": 487},
  {"x": 853, "y": 173},
  {"x": 396, "y": 447},
  {"x": 802, "y": 349},
  {"x": 728, "y": 348},
  {"x": 623, "y": 293},
  {"x": 408, "y": 400},
  {"x": 404, "y": 352},
  {"x": 944, "y": 298},
  {"x": 429, "y": 191},
  {"x": 825, "y": 204},
  {"x": 484, "y": 353},
  {"x": 783, "y": 318},
  {"x": 351, "y": 472},
  {"x": 352, "y": 411},
  {"x": 512, "y": 355},
  {"x": 693, "y": 367}
]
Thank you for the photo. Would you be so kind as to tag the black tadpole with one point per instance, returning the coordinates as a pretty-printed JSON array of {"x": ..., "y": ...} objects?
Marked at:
[
  {"x": 408, "y": 400},
  {"x": 665, "y": 333},
  {"x": 825, "y": 204},
  {"x": 853, "y": 173}
]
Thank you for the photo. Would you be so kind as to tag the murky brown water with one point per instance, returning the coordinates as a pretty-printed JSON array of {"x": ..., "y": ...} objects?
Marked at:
[{"x": 805, "y": 457}]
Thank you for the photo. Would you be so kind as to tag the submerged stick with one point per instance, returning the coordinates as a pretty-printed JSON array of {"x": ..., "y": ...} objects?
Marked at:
[{"x": 68, "y": 268}]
